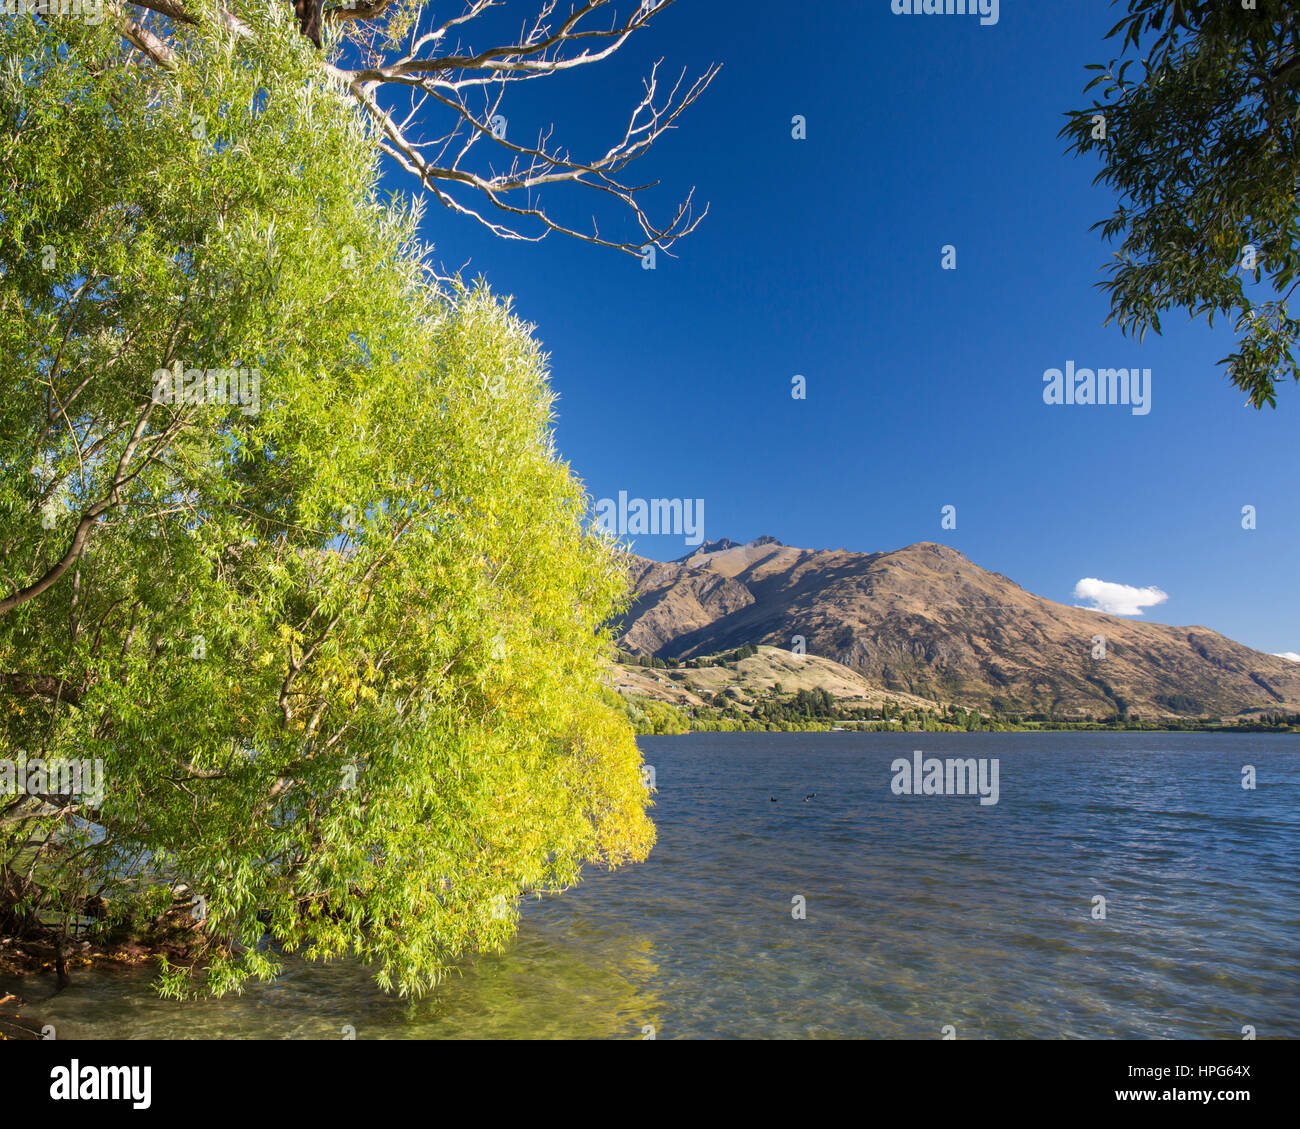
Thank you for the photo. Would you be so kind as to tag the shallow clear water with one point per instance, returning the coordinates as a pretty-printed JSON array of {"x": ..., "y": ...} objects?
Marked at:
[{"x": 922, "y": 911}]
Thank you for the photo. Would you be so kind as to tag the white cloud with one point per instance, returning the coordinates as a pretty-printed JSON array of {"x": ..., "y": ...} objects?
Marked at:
[
  {"x": 1287, "y": 655},
  {"x": 1117, "y": 599}
]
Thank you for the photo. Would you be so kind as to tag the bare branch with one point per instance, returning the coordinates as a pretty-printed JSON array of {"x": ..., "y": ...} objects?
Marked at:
[
  {"x": 141, "y": 37},
  {"x": 40, "y": 686},
  {"x": 457, "y": 110}
]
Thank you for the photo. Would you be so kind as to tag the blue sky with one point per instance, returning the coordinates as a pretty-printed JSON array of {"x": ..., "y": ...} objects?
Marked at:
[{"x": 822, "y": 257}]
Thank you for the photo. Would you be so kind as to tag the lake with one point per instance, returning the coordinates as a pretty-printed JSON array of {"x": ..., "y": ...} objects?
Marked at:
[{"x": 923, "y": 912}]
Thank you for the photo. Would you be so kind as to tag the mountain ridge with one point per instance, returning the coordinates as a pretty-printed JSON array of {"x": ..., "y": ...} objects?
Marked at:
[{"x": 927, "y": 621}]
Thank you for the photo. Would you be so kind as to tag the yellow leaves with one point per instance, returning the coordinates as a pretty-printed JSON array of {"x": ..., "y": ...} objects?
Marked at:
[{"x": 504, "y": 770}]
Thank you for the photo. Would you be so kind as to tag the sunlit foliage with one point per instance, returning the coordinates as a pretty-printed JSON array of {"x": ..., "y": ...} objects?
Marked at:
[{"x": 337, "y": 644}]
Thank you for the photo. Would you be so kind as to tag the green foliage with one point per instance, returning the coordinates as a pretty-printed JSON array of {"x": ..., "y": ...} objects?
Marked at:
[
  {"x": 1202, "y": 146},
  {"x": 724, "y": 659},
  {"x": 651, "y": 717},
  {"x": 340, "y": 656},
  {"x": 1183, "y": 704}
]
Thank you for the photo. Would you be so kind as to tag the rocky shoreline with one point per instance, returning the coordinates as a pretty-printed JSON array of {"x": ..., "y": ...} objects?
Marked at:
[
  {"x": 34, "y": 970},
  {"x": 14, "y": 1026}
]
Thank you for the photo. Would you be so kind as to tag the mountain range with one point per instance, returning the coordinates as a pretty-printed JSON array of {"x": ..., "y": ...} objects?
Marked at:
[{"x": 926, "y": 621}]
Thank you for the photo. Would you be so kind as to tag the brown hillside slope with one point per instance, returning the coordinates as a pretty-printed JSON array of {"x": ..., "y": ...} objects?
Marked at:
[{"x": 926, "y": 621}]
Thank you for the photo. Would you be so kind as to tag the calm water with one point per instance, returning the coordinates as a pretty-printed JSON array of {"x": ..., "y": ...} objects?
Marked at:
[{"x": 921, "y": 911}]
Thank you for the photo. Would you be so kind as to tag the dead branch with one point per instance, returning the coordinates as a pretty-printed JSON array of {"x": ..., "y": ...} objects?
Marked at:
[{"x": 456, "y": 94}]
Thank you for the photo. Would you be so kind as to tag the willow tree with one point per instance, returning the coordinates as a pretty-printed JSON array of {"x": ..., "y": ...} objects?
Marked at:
[
  {"x": 287, "y": 549},
  {"x": 1198, "y": 132}
]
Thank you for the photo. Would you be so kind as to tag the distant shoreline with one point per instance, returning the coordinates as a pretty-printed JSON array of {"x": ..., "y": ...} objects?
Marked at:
[
  {"x": 760, "y": 689},
  {"x": 1062, "y": 727}
]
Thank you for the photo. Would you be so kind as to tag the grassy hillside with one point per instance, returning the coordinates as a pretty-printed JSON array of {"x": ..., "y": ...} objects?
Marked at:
[{"x": 767, "y": 688}]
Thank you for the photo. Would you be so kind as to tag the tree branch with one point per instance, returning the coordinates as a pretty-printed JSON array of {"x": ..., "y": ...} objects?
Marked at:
[
  {"x": 41, "y": 686},
  {"x": 446, "y": 76}
]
